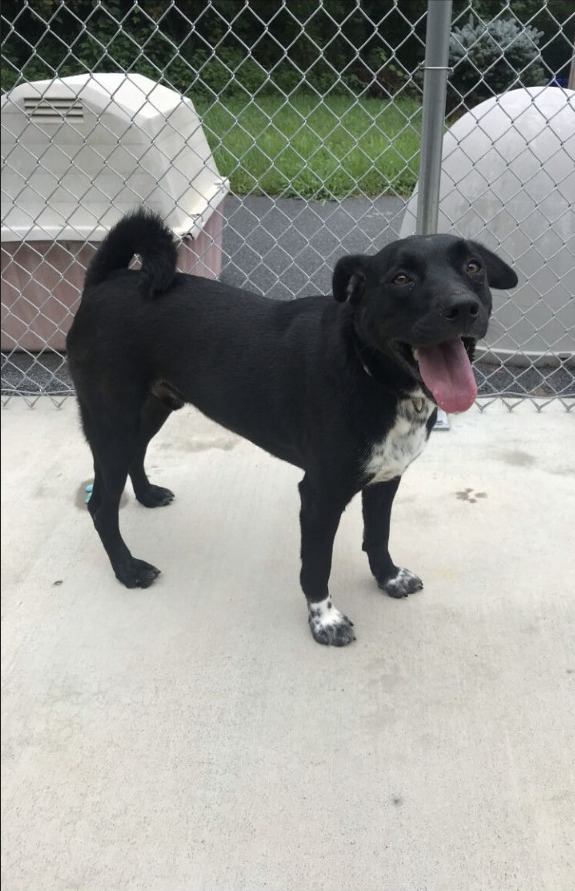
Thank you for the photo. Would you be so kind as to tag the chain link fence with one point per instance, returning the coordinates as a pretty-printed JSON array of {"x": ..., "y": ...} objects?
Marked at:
[{"x": 275, "y": 136}]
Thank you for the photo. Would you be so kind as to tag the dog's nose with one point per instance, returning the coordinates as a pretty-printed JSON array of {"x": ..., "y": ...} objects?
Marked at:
[{"x": 462, "y": 310}]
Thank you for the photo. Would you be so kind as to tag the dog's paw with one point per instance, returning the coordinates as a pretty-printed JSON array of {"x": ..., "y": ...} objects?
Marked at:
[
  {"x": 401, "y": 584},
  {"x": 329, "y": 626},
  {"x": 155, "y": 496},
  {"x": 138, "y": 574}
]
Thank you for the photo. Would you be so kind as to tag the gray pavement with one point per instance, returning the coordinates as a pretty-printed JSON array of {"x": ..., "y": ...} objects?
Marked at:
[
  {"x": 193, "y": 736},
  {"x": 286, "y": 248}
]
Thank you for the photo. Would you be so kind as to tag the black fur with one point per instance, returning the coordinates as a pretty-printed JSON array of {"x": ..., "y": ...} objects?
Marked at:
[
  {"x": 315, "y": 382},
  {"x": 137, "y": 233}
]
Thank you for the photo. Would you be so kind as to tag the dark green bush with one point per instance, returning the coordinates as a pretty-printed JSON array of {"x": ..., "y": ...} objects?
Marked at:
[{"x": 329, "y": 46}]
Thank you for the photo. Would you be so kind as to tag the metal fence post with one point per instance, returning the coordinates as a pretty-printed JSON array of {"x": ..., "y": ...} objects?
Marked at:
[
  {"x": 571, "y": 82},
  {"x": 436, "y": 67}
]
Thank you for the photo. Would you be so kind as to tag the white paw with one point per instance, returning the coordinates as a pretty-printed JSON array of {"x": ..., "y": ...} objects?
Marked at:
[
  {"x": 328, "y": 625},
  {"x": 402, "y": 584}
]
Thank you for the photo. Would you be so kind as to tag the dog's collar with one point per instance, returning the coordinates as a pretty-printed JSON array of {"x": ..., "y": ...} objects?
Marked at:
[
  {"x": 418, "y": 401},
  {"x": 362, "y": 360}
]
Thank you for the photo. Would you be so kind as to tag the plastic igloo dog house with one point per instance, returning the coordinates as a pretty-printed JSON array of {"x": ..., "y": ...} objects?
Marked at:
[
  {"x": 79, "y": 152},
  {"x": 508, "y": 180}
]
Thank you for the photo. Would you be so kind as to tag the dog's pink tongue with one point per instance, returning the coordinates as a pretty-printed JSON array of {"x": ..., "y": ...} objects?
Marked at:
[{"x": 447, "y": 372}]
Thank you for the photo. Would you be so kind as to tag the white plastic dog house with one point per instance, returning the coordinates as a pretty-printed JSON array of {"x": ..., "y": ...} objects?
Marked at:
[
  {"x": 508, "y": 180},
  {"x": 79, "y": 152}
]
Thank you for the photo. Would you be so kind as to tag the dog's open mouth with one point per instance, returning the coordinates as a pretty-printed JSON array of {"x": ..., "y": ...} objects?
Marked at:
[{"x": 446, "y": 371}]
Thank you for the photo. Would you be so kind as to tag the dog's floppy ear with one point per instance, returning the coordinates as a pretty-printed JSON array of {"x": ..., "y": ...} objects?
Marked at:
[
  {"x": 349, "y": 278},
  {"x": 499, "y": 274}
]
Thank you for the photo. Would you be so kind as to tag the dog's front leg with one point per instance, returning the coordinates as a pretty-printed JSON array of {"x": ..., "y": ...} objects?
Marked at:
[
  {"x": 377, "y": 500},
  {"x": 320, "y": 515}
]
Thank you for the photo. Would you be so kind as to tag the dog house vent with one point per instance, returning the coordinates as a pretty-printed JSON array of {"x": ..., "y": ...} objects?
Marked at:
[
  {"x": 508, "y": 180},
  {"x": 78, "y": 153},
  {"x": 44, "y": 111}
]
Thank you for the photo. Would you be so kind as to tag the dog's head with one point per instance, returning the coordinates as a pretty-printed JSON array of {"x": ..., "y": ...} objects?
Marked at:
[{"x": 424, "y": 301}]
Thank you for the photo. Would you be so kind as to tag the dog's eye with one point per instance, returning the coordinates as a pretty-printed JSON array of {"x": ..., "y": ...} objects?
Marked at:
[
  {"x": 401, "y": 279},
  {"x": 473, "y": 267}
]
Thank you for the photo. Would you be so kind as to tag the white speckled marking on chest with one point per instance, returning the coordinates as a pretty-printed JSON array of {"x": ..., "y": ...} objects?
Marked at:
[{"x": 404, "y": 442}]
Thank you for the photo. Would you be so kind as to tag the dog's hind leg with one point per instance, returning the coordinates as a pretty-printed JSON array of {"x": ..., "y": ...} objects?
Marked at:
[
  {"x": 94, "y": 499},
  {"x": 113, "y": 447},
  {"x": 153, "y": 414},
  {"x": 320, "y": 515},
  {"x": 377, "y": 500}
]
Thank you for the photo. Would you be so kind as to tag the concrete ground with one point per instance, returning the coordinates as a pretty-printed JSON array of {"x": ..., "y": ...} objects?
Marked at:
[{"x": 193, "y": 736}]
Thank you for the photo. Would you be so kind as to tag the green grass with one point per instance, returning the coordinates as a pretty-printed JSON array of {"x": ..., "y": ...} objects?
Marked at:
[{"x": 306, "y": 147}]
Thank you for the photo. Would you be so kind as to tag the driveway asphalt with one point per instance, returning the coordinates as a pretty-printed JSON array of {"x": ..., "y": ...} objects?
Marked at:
[{"x": 193, "y": 736}]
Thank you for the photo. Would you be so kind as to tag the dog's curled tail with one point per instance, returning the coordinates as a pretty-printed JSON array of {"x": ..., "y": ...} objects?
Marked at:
[{"x": 142, "y": 232}]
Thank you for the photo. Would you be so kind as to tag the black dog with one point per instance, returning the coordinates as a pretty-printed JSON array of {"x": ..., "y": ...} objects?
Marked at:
[{"x": 345, "y": 389}]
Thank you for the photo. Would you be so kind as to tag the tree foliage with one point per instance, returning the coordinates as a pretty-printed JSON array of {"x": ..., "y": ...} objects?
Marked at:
[{"x": 230, "y": 46}]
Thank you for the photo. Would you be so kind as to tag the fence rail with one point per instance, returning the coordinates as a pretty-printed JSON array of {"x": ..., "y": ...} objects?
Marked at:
[{"x": 293, "y": 136}]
